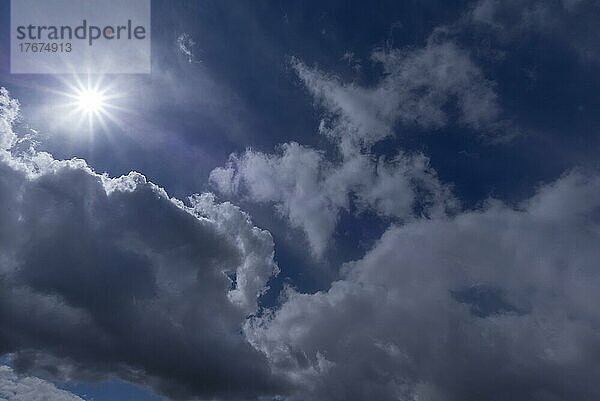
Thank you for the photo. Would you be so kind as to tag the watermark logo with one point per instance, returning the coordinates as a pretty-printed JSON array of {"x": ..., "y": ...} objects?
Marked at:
[{"x": 80, "y": 36}]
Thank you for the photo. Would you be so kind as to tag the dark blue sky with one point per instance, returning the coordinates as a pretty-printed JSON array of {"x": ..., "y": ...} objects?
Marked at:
[{"x": 247, "y": 97}]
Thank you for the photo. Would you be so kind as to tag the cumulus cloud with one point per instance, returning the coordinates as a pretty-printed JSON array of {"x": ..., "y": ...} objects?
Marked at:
[
  {"x": 9, "y": 109},
  {"x": 110, "y": 276},
  {"x": 493, "y": 304},
  {"x": 293, "y": 180},
  {"x": 22, "y": 388}
]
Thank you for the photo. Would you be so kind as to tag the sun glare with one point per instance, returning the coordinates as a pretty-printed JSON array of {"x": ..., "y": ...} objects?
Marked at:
[{"x": 91, "y": 101}]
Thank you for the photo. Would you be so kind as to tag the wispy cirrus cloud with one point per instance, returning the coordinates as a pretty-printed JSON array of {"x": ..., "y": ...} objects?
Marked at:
[{"x": 416, "y": 88}]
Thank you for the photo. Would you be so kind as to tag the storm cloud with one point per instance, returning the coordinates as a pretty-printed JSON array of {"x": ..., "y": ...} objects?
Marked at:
[{"x": 103, "y": 276}]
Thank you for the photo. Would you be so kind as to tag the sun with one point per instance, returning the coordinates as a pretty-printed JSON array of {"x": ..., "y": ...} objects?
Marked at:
[{"x": 91, "y": 101}]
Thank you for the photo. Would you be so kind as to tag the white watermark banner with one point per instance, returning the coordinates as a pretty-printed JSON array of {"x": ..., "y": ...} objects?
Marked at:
[{"x": 80, "y": 36}]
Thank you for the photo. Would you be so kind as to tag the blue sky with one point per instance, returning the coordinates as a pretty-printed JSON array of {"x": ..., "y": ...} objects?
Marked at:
[{"x": 368, "y": 173}]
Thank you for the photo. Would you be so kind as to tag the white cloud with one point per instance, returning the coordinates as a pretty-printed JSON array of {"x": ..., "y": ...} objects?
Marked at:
[
  {"x": 494, "y": 304},
  {"x": 22, "y": 388},
  {"x": 9, "y": 109},
  {"x": 293, "y": 181},
  {"x": 310, "y": 191},
  {"x": 416, "y": 87}
]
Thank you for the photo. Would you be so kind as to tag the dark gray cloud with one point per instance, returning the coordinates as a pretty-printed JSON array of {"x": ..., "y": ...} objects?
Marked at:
[{"x": 103, "y": 276}]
